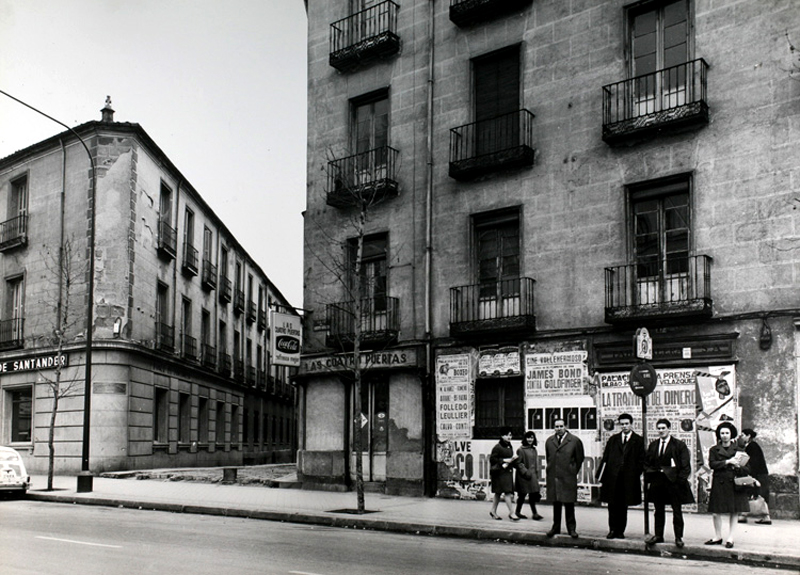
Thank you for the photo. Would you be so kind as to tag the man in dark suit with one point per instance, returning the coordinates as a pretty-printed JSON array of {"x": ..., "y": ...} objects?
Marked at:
[
  {"x": 667, "y": 470},
  {"x": 564, "y": 459},
  {"x": 620, "y": 475}
]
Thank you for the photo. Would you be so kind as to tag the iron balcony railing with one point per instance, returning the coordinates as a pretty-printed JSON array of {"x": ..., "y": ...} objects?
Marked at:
[
  {"x": 165, "y": 337},
  {"x": 225, "y": 363},
  {"x": 190, "y": 259},
  {"x": 208, "y": 355},
  {"x": 364, "y": 36},
  {"x": 209, "y": 278},
  {"x": 369, "y": 176},
  {"x": 502, "y": 306},
  {"x": 167, "y": 239},
  {"x": 261, "y": 379},
  {"x": 251, "y": 376},
  {"x": 238, "y": 301},
  {"x": 225, "y": 289},
  {"x": 252, "y": 311},
  {"x": 14, "y": 232},
  {"x": 11, "y": 333},
  {"x": 504, "y": 142},
  {"x": 674, "y": 97},
  {"x": 468, "y": 12},
  {"x": 188, "y": 347},
  {"x": 238, "y": 370},
  {"x": 262, "y": 319},
  {"x": 659, "y": 289},
  {"x": 378, "y": 321}
]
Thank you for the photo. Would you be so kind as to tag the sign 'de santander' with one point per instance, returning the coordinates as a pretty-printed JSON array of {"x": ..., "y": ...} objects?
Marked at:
[{"x": 287, "y": 335}]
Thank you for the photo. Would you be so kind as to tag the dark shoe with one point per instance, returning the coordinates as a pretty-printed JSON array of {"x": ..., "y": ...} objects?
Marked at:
[
  {"x": 573, "y": 534},
  {"x": 537, "y": 517},
  {"x": 495, "y": 516},
  {"x": 714, "y": 542},
  {"x": 611, "y": 535},
  {"x": 653, "y": 539},
  {"x": 744, "y": 520},
  {"x": 679, "y": 543},
  {"x": 729, "y": 545},
  {"x": 521, "y": 516},
  {"x": 764, "y": 522},
  {"x": 620, "y": 536},
  {"x": 551, "y": 533}
]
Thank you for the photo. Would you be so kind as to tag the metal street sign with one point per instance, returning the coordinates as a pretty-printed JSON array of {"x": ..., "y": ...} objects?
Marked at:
[{"x": 643, "y": 379}]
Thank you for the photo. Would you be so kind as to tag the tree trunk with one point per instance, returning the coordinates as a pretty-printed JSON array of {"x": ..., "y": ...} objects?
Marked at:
[
  {"x": 358, "y": 437},
  {"x": 51, "y": 440}
]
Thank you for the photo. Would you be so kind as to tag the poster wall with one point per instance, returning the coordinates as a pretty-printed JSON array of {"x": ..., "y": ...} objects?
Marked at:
[{"x": 454, "y": 396}]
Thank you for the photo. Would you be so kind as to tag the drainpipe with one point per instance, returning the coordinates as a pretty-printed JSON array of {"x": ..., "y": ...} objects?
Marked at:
[
  {"x": 429, "y": 467},
  {"x": 59, "y": 309}
]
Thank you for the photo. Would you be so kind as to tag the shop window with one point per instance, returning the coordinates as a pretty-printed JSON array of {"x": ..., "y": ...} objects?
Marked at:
[
  {"x": 499, "y": 403},
  {"x": 375, "y": 407},
  {"x": 161, "y": 415},
  {"x": 184, "y": 417},
  {"x": 21, "y": 414}
]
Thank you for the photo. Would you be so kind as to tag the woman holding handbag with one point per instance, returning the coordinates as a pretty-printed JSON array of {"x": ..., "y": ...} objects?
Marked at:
[
  {"x": 501, "y": 472},
  {"x": 726, "y": 499},
  {"x": 759, "y": 496},
  {"x": 528, "y": 473}
]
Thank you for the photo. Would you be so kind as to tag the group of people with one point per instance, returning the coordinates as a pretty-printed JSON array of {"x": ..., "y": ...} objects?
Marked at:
[{"x": 665, "y": 463}]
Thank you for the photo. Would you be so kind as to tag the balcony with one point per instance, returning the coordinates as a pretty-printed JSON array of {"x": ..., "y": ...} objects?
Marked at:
[
  {"x": 252, "y": 312},
  {"x": 238, "y": 370},
  {"x": 250, "y": 376},
  {"x": 668, "y": 101},
  {"x": 379, "y": 323},
  {"x": 190, "y": 259},
  {"x": 225, "y": 289},
  {"x": 225, "y": 363},
  {"x": 165, "y": 337},
  {"x": 11, "y": 333},
  {"x": 368, "y": 177},
  {"x": 261, "y": 379},
  {"x": 501, "y": 308},
  {"x": 238, "y": 301},
  {"x": 14, "y": 233},
  {"x": 167, "y": 240},
  {"x": 209, "y": 276},
  {"x": 497, "y": 144},
  {"x": 364, "y": 37},
  {"x": 188, "y": 347},
  {"x": 468, "y": 12},
  {"x": 262, "y": 320},
  {"x": 208, "y": 355},
  {"x": 675, "y": 289}
]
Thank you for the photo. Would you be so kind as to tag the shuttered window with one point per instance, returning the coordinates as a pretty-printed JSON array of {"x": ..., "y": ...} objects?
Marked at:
[{"x": 496, "y": 83}]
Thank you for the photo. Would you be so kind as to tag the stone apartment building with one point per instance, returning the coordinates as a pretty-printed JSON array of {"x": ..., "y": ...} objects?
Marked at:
[
  {"x": 554, "y": 175},
  {"x": 181, "y": 371}
]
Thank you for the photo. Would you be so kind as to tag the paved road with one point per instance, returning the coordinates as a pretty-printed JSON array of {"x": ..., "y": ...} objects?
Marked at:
[{"x": 55, "y": 539}]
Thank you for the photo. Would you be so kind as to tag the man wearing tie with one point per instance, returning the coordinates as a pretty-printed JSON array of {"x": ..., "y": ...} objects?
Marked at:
[
  {"x": 667, "y": 470},
  {"x": 564, "y": 459},
  {"x": 620, "y": 475}
]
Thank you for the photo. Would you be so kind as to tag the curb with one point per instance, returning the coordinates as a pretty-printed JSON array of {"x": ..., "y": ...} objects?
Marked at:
[{"x": 630, "y": 546}]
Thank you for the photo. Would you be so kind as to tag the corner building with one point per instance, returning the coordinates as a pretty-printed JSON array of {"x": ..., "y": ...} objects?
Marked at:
[
  {"x": 181, "y": 374},
  {"x": 554, "y": 175}
]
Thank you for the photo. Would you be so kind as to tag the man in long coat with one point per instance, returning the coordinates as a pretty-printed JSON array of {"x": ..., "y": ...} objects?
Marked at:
[
  {"x": 565, "y": 456},
  {"x": 620, "y": 475},
  {"x": 668, "y": 466}
]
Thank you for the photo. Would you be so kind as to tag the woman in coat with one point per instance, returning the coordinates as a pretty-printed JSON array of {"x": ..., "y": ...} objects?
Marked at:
[
  {"x": 758, "y": 469},
  {"x": 724, "y": 499},
  {"x": 501, "y": 471},
  {"x": 527, "y": 477}
]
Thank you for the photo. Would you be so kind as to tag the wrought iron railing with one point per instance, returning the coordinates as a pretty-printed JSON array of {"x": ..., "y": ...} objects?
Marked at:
[
  {"x": 225, "y": 363},
  {"x": 493, "y": 303},
  {"x": 673, "y": 95},
  {"x": 190, "y": 259},
  {"x": 261, "y": 379},
  {"x": 208, "y": 355},
  {"x": 14, "y": 232},
  {"x": 238, "y": 370},
  {"x": 238, "y": 301},
  {"x": 364, "y": 36},
  {"x": 225, "y": 289},
  {"x": 368, "y": 176},
  {"x": 209, "y": 279},
  {"x": 188, "y": 347},
  {"x": 379, "y": 319},
  {"x": 11, "y": 333},
  {"x": 262, "y": 319},
  {"x": 167, "y": 239},
  {"x": 659, "y": 288},
  {"x": 251, "y": 375},
  {"x": 489, "y": 145},
  {"x": 165, "y": 337},
  {"x": 252, "y": 311}
]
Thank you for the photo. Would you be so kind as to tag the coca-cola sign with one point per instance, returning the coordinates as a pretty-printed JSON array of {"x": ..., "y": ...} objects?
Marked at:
[
  {"x": 287, "y": 344},
  {"x": 287, "y": 335}
]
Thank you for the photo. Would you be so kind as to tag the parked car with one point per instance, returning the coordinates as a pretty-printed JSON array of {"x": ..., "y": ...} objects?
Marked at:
[{"x": 13, "y": 476}]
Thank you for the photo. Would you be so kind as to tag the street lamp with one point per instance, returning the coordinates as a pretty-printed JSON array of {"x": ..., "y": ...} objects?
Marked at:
[{"x": 85, "y": 477}]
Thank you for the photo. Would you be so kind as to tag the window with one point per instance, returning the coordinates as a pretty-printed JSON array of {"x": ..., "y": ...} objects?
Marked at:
[
  {"x": 13, "y": 314},
  {"x": 234, "y": 424},
  {"x": 223, "y": 337},
  {"x": 165, "y": 204},
  {"x": 161, "y": 415},
  {"x": 497, "y": 96},
  {"x": 205, "y": 327},
  {"x": 162, "y": 303},
  {"x": 219, "y": 429},
  {"x": 370, "y": 138},
  {"x": 184, "y": 417},
  {"x": 188, "y": 227},
  {"x": 659, "y": 40},
  {"x": 246, "y": 426},
  {"x": 661, "y": 235},
  {"x": 18, "y": 199},
  {"x": 499, "y": 402},
  {"x": 208, "y": 242},
  {"x": 203, "y": 435},
  {"x": 223, "y": 262},
  {"x": 256, "y": 427},
  {"x": 189, "y": 342},
  {"x": 375, "y": 406},
  {"x": 498, "y": 264},
  {"x": 21, "y": 414},
  {"x": 371, "y": 275}
]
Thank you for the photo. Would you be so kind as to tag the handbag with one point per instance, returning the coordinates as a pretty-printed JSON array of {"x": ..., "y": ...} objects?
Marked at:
[
  {"x": 745, "y": 483},
  {"x": 758, "y": 507}
]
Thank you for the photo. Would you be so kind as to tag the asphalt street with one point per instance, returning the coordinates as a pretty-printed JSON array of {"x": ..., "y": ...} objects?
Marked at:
[{"x": 57, "y": 539}]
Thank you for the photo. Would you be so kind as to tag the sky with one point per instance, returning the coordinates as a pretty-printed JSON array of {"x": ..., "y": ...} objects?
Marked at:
[{"x": 220, "y": 86}]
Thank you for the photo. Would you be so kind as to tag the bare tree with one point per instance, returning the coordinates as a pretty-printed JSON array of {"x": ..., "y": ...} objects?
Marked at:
[
  {"x": 65, "y": 274},
  {"x": 356, "y": 185}
]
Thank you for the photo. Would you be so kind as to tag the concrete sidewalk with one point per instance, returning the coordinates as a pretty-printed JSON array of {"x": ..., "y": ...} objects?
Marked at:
[{"x": 773, "y": 546}]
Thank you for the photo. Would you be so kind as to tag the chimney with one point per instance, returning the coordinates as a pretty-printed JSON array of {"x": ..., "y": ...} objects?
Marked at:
[{"x": 107, "y": 111}]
